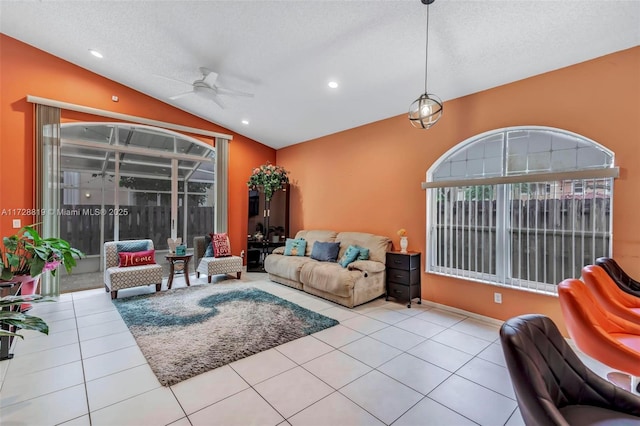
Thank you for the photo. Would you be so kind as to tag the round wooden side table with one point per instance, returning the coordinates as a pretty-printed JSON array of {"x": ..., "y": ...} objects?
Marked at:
[{"x": 173, "y": 259}]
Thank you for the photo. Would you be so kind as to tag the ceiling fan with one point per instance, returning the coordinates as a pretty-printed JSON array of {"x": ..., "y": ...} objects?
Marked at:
[{"x": 206, "y": 87}]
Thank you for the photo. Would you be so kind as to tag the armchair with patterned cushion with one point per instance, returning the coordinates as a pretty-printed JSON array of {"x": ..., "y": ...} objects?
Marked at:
[
  {"x": 207, "y": 263},
  {"x": 130, "y": 264}
]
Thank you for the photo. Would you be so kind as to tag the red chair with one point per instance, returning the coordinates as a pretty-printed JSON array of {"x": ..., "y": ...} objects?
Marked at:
[
  {"x": 612, "y": 340},
  {"x": 609, "y": 294}
]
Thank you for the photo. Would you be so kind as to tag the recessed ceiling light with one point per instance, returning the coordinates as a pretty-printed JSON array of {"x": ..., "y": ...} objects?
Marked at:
[
  {"x": 333, "y": 84},
  {"x": 245, "y": 122},
  {"x": 95, "y": 53}
]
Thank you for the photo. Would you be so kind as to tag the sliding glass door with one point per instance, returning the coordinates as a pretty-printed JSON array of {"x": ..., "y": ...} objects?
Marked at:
[{"x": 122, "y": 181}]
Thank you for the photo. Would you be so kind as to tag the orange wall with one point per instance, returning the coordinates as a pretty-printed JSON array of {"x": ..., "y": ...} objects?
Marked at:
[
  {"x": 25, "y": 70},
  {"x": 368, "y": 178}
]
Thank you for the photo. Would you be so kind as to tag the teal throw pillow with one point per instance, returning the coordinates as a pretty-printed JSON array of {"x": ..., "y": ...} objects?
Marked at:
[
  {"x": 208, "y": 251},
  {"x": 325, "y": 252},
  {"x": 349, "y": 256},
  {"x": 132, "y": 246},
  {"x": 363, "y": 253},
  {"x": 295, "y": 247}
]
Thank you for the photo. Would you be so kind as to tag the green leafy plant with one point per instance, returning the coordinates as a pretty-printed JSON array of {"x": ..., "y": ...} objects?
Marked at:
[
  {"x": 268, "y": 178},
  {"x": 13, "y": 320},
  {"x": 26, "y": 253}
]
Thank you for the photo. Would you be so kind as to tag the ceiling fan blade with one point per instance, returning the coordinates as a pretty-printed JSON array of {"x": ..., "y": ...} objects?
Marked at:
[
  {"x": 217, "y": 101},
  {"x": 172, "y": 79},
  {"x": 180, "y": 95},
  {"x": 232, "y": 92}
]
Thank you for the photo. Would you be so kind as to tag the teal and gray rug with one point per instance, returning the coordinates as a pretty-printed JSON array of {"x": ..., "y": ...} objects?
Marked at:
[{"x": 187, "y": 331}]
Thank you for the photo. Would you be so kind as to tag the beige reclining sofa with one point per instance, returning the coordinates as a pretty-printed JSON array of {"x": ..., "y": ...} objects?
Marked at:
[{"x": 359, "y": 282}]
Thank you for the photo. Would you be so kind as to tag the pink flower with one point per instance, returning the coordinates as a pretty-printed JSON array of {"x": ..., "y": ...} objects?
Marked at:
[{"x": 51, "y": 266}]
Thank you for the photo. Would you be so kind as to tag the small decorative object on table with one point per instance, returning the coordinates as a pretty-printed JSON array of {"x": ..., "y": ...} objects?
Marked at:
[
  {"x": 404, "y": 240},
  {"x": 173, "y": 244},
  {"x": 181, "y": 250}
]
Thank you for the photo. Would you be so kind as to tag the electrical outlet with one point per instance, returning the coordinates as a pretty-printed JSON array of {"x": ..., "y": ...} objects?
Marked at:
[
  {"x": 497, "y": 297},
  {"x": 17, "y": 223}
]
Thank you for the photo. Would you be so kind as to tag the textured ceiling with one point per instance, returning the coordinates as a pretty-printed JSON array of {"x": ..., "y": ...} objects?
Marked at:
[{"x": 285, "y": 52}]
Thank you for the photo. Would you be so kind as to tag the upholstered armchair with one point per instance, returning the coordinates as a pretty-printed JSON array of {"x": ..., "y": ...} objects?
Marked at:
[
  {"x": 119, "y": 277},
  {"x": 622, "y": 280},
  {"x": 552, "y": 385},
  {"x": 214, "y": 265}
]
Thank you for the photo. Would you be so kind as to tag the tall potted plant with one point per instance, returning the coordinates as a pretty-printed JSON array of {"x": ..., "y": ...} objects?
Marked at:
[
  {"x": 25, "y": 255},
  {"x": 268, "y": 179},
  {"x": 11, "y": 320}
]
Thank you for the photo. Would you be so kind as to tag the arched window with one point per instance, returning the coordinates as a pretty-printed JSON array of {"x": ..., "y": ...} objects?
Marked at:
[{"x": 522, "y": 207}]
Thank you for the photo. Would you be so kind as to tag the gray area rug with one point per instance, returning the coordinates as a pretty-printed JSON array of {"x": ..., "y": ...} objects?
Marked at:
[{"x": 187, "y": 331}]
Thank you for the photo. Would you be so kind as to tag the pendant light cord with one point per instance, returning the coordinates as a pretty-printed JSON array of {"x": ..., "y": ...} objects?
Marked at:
[{"x": 426, "y": 55}]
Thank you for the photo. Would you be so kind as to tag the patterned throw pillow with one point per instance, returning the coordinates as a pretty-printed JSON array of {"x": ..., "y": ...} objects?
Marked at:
[
  {"x": 295, "y": 247},
  {"x": 132, "y": 246},
  {"x": 349, "y": 256},
  {"x": 363, "y": 253},
  {"x": 137, "y": 258},
  {"x": 221, "y": 245},
  {"x": 325, "y": 252}
]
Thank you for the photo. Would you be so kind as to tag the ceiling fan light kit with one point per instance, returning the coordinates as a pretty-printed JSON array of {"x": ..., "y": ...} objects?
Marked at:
[
  {"x": 207, "y": 88},
  {"x": 425, "y": 111}
]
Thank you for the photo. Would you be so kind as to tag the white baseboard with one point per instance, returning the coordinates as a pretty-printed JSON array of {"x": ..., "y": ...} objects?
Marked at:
[{"x": 489, "y": 320}]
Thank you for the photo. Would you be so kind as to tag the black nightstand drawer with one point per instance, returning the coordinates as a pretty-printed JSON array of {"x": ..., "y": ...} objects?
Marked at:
[
  {"x": 402, "y": 261},
  {"x": 404, "y": 277},
  {"x": 399, "y": 291}
]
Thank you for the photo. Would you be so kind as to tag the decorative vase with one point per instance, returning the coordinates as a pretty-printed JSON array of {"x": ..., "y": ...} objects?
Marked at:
[
  {"x": 404, "y": 243},
  {"x": 28, "y": 287}
]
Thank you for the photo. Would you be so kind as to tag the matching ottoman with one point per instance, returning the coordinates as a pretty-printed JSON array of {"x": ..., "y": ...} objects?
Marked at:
[{"x": 219, "y": 265}]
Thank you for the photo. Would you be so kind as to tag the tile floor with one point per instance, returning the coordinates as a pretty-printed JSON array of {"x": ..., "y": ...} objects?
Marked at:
[{"x": 383, "y": 364}]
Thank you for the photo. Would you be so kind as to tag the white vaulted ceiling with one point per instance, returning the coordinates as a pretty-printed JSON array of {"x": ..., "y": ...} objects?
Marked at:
[{"x": 285, "y": 52}]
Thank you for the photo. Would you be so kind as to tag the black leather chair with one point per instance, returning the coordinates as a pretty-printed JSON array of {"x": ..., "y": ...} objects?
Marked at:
[
  {"x": 552, "y": 385},
  {"x": 622, "y": 280}
]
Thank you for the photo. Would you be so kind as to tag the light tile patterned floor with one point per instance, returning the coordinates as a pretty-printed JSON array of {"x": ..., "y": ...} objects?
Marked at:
[{"x": 384, "y": 364}]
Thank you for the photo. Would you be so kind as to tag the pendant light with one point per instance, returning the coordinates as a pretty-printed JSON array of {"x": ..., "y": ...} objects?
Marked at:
[{"x": 425, "y": 111}]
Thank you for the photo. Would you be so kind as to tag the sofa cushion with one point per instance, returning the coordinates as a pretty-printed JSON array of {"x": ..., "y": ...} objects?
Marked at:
[
  {"x": 377, "y": 245},
  {"x": 316, "y": 235},
  {"x": 349, "y": 256},
  {"x": 329, "y": 277},
  {"x": 325, "y": 251},
  {"x": 208, "y": 251},
  {"x": 295, "y": 247},
  {"x": 286, "y": 266},
  {"x": 132, "y": 246}
]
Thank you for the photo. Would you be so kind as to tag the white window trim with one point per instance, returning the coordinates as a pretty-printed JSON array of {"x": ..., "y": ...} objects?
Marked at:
[{"x": 605, "y": 172}]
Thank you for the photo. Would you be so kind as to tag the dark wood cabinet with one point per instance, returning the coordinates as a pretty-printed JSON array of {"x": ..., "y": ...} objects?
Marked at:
[
  {"x": 403, "y": 276},
  {"x": 271, "y": 221}
]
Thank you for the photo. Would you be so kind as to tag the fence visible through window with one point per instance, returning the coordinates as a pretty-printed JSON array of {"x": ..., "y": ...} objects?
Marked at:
[{"x": 506, "y": 228}]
